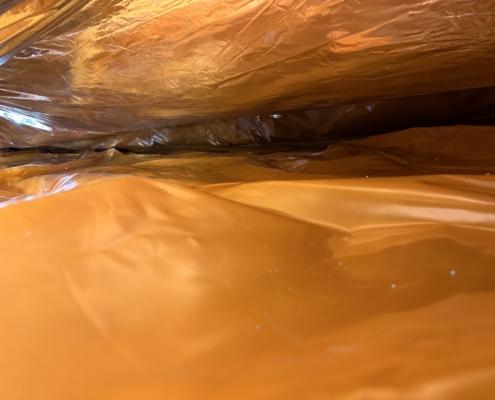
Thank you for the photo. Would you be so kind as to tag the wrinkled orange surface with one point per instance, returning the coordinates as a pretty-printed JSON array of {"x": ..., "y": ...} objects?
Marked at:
[
  {"x": 365, "y": 271},
  {"x": 101, "y": 73}
]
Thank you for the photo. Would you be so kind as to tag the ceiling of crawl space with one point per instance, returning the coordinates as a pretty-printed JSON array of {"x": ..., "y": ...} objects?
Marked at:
[{"x": 134, "y": 73}]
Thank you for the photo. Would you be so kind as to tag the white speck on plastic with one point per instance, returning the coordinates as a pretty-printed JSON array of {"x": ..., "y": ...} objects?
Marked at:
[
  {"x": 276, "y": 116},
  {"x": 487, "y": 174},
  {"x": 393, "y": 285},
  {"x": 452, "y": 272}
]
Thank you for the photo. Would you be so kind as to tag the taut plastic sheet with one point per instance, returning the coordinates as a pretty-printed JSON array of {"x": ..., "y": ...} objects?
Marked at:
[{"x": 365, "y": 271}]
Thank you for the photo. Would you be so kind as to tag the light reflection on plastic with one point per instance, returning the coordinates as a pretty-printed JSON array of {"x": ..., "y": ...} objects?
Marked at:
[
  {"x": 22, "y": 119},
  {"x": 65, "y": 183},
  {"x": 16, "y": 199}
]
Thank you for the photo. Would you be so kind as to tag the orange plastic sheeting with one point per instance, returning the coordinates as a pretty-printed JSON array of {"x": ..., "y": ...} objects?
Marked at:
[
  {"x": 81, "y": 69},
  {"x": 365, "y": 271}
]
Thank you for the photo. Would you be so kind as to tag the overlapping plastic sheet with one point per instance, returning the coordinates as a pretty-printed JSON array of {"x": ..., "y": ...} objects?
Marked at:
[{"x": 360, "y": 270}]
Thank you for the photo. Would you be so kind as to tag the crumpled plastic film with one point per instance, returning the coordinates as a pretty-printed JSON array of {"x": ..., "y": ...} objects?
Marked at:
[
  {"x": 86, "y": 69},
  {"x": 364, "y": 271},
  {"x": 307, "y": 127},
  {"x": 131, "y": 269}
]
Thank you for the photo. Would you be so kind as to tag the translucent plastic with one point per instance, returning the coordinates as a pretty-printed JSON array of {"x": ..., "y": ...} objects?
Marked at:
[
  {"x": 364, "y": 271},
  {"x": 117, "y": 69},
  {"x": 361, "y": 272}
]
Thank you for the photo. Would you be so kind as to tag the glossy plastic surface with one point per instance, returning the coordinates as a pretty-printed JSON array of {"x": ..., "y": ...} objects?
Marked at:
[
  {"x": 365, "y": 271},
  {"x": 115, "y": 70}
]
